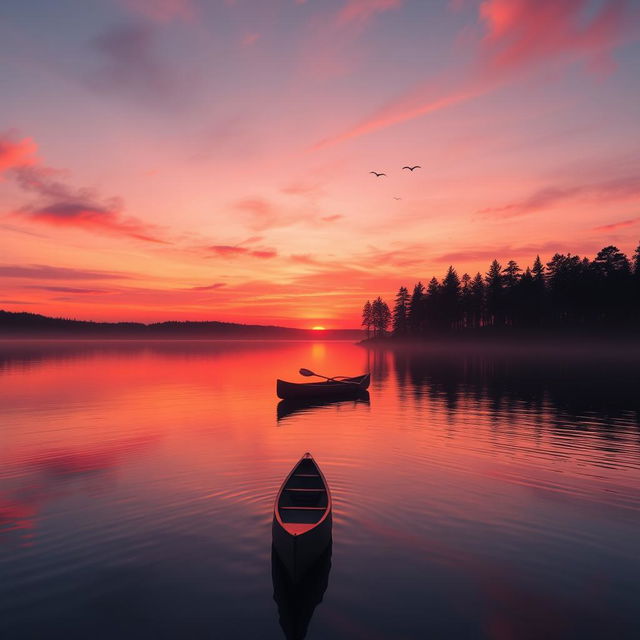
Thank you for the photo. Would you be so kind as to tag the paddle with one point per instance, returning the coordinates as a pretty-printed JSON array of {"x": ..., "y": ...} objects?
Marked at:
[{"x": 308, "y": 373}]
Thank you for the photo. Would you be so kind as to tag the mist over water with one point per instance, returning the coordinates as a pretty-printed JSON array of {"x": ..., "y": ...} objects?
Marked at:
[{"x": 476, "y": 494}]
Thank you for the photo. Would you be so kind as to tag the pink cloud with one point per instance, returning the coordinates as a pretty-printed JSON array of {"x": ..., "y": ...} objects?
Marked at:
[
  {"x": 90, "y": 217},
  {"x": 519, "y": 34},
  {"x": 16, "y": 153},
  {"x": 231, "y": 251},
  {"x": 262, "y": 215},
  {"x": 361, "y": 11},
  {"x": 617, "y": 225},
  {"x": 162, "y": 10},
  {"x": 63, "y": 206},
  {"x": 250, "y": 39},
  {"x": 615, "y": 189},
  {"x": 333, "y": 218},
  {"x": 523, "y": 31}
]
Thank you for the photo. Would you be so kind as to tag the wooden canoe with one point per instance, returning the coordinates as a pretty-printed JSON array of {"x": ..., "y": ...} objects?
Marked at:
[
  {"x": 346, "y": 387},
  {"x": 302, "y": 518}
]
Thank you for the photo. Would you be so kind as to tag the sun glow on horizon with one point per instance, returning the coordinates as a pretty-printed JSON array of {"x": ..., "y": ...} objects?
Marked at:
[{"x": 318, "y": 328}]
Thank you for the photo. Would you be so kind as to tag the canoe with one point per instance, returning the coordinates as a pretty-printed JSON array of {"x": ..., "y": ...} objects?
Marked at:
[
  {"x": 302, "y": 518},
  {"x": 288, "y": 408},
  {"x": 327, "y": 389}
]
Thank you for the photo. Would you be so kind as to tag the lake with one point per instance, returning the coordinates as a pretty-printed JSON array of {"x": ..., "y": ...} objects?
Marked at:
[{"x": 476, "y": 495}]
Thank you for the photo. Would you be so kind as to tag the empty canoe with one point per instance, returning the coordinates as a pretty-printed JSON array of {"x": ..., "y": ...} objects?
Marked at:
[
  {"x": 302, "y": 518},
  {"x": 327, "y": 389}
]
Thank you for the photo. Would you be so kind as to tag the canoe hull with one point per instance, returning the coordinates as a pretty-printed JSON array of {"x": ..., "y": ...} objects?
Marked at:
[
  {"x": 351, "y": 387},
  {"x": 300, "y": 553},
  {"x": 302, "y": 518}
]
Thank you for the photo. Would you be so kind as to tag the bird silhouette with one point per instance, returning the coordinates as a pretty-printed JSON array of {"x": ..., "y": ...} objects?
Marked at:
[
  {"x": 396, "y": 198},
  {"x": 412, "y": 169},
  {"x": 377, "y": 175}
]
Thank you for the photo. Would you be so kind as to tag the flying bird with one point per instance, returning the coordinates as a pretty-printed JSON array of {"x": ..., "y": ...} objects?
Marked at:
[
  {"x": 396, "y": 198},
  {"x": 377, "y": 175},
  {"x": 412, "y": 169}
]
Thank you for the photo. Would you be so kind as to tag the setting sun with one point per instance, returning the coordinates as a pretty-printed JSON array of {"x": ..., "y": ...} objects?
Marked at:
[{"x": 318, "y": 328}]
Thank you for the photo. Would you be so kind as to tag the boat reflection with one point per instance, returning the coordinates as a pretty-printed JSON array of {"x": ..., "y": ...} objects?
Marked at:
[
  {"x": 288, "y": 408},
  {"x": 297, "y": 601}
]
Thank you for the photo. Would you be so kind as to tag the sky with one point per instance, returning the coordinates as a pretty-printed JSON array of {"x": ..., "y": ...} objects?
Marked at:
[{"x": 210, "y": 160}]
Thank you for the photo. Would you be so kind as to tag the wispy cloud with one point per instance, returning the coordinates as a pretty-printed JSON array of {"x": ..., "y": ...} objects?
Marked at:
[
  {"x": 519, "y": 35},
  {"x": 49, "y": 272},
  {"x": 16, "y": 153},
  {"x": 233, "y": 251},
  {"x": 546, "y": 198},
  {"x": 60, "y": 205},
  {"x": 361, "y": 11},
  {"x": 209, "y": 287},
  {"x": 162, "y": 10},
  {"x": 131, "y": 65},
  {"x": 67, "y": 289},
  {"x": 90, "y": 217},
  {"x": 617, "y": 225}
]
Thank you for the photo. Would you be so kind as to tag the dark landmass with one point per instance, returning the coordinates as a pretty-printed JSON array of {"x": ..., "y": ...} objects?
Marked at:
[{"x": 35, "y": 326}]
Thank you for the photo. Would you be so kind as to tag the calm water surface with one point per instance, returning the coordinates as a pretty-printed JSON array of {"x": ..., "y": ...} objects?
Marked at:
[{"x": 474, "y": 496}]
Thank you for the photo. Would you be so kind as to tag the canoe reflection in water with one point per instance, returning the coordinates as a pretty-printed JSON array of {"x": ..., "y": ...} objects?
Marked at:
[
  {"x": 291, "y": 407},
  {"x": 297, "y": 600}
]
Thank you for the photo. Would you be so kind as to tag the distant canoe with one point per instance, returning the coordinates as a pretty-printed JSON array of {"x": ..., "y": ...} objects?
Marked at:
[
  {"x": 346, "y": 387},
  {"x": 302, "y": 518}
]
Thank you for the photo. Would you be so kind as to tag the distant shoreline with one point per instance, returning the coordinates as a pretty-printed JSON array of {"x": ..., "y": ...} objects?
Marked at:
[{"x": 30, "y": 326}]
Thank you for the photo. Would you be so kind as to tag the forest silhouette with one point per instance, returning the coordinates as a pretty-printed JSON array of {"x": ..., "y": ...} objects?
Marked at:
[{"x": 569, "y": 293}]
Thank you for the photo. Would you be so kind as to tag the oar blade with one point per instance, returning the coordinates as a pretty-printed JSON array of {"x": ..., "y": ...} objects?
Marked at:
[{"x": 306, "y": 373}]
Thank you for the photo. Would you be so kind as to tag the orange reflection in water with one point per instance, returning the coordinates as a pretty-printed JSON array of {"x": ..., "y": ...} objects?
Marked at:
[{"x": 486, "y": 470}]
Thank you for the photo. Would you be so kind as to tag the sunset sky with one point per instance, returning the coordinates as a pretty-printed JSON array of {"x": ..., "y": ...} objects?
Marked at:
[{"x": 210, "y": 159}]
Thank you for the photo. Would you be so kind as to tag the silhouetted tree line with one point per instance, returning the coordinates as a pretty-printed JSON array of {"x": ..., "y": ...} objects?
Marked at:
[{"x": 568, "y": 292}]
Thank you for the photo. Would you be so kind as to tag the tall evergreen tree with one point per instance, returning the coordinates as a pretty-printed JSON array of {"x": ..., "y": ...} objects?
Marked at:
[
  {"x": 538, "y": 270},
  {"x": 401, "y": 313},
  {"x": 495, "y": 294},
  {"x": 478, "y": 300},
  {"x": 416, "y": 310},
  {"x": 511, "y": 274},
  {"x": 432, "y": 314},
  {"x": 450, "y": 299},
  {"x": 465, "y": 299}
]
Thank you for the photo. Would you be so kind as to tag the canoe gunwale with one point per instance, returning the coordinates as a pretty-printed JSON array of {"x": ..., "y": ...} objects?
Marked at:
[
  {"x": 347, "y": 387},
  {"x": 327, "y": 511}
]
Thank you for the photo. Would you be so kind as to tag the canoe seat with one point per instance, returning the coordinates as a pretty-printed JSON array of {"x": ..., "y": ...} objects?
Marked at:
[
  {"x": 306, "y": 475},
  {"x": 303, "y": 508},
  {"x": 296, "y": 490}
]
